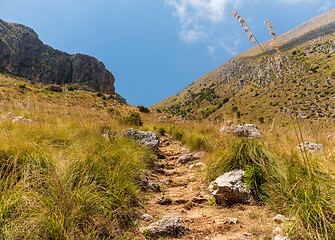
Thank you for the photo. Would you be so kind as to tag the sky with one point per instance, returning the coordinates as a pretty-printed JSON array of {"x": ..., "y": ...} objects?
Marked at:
[{"x": 156, "y": 48}]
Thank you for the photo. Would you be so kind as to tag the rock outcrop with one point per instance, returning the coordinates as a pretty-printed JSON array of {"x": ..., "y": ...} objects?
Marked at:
[
  {"x": 231, "y": 188},
  {"x": 313, "y": 148},
  {"x": 147, "y": 139},
  {"x": 23, "y": 54},
  {"x": 10, "y": 116},
  {"x": 169, "y": 226},
  {"x": 241, "y": 130}
]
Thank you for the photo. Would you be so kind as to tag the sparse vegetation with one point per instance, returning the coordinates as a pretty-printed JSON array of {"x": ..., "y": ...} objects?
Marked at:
[
  {"x": 143, "y": 109},
  {"x": 60, "y": 179},
  {"x": 69, "y": 174}
]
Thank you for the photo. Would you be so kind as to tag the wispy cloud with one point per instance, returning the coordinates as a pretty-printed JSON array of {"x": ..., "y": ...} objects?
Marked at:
[
  {"x": 192, "y": 35},
  {"x": 231, "y": 50},
  {"x": 298, "y": 1},
  {"x": 193, "y": 14},
  {"x": 326, "y": 6},
  {"x": 211, "y": 50}
]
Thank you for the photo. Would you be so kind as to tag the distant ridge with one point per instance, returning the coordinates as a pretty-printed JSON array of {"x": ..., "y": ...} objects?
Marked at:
[
  {"x": 23, "y": 54},
  {"x": 321, "y": 25},
  {"x": 245, "y": 85}
]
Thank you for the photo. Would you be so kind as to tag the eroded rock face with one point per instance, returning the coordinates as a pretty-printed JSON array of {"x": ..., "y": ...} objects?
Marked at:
[
  {"x": 230, "y": 188},
  {"x": 23, "y": 54},
  {"x": 313, "y": 148},
  {"x": 147, "y": 139},
  {"x": 241, "y": 130},
  {"x": 170, "y": 225}
]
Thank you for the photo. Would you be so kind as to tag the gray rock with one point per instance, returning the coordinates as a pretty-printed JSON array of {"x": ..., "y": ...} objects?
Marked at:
[
  {"x": 154, "y": 187},
  {"x": 313, "y": 148},
  {"x": 10, "y": 116},
  {"x": 241, "y": 130},
  {"x": 231, "y": 188},
  {"x": 187, "y": 157},
  {"x": 170, "y": 225},
  {"x": 197, "y": 165},
  {"x": 147, "y": 139},
  {"x": 147, "y": 218}
]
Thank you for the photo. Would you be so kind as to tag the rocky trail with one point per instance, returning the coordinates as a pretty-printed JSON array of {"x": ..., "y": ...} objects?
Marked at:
[{"x": 179, "y": 187}]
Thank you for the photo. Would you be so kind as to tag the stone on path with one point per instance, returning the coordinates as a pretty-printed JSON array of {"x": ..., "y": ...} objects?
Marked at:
[
  {"x": 231, "y": 188},
  {"x": 198, "y": 165},
  {"x": 147, "y": 139},
  {"x": 170, "y": 225},
  {"x": 187, "y": 158}
]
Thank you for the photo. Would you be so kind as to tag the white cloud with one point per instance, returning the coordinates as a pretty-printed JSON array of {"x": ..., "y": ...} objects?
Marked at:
[
  {"x": 192, "y": 14},
  {"x": 325, "y": 7},
  {"x": 298, "y": 1},
  {"x": 232, "y": 50},
  {"x": 211, "y": 50},
  {"x": 192, "y": 35}
]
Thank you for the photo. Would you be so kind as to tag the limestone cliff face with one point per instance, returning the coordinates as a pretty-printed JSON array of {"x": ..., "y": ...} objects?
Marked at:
[{"x": 23, "y": 54}]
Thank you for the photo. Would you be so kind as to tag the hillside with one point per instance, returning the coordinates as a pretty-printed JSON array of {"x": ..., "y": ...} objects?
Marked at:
[
  {"x": 67, "y": 171},
  {"x": 253, "y": 86},
  {"x": 23, "y": 54}
]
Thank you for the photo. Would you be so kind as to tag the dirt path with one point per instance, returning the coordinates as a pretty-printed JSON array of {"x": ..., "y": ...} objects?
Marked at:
[{"x": 192, "y": 200}]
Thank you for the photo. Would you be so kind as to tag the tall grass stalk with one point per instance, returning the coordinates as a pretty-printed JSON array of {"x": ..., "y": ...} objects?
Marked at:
[{"x": 302, "y": 188}]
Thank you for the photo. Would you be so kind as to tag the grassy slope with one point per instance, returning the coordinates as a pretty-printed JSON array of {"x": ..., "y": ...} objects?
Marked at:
[
  {"x": 60, "y": 179},
  {"x": 309, "y": 78}
]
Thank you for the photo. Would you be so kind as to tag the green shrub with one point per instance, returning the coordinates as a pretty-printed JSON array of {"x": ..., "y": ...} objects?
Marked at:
[
  {"x": 134, "y": 119},
  {"x": 143, "y": 109},
  {"x": 113, "y": 112}
]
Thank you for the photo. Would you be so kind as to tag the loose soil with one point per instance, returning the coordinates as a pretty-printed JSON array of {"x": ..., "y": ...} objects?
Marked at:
[{"x": 192, "y": 201}]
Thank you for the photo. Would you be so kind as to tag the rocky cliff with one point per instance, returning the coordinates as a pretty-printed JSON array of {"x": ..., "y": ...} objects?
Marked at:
[{"x": 23, "y": 54}]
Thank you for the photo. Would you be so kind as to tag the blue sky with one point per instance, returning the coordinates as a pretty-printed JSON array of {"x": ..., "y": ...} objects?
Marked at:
[{"x": 155, "y": 48}]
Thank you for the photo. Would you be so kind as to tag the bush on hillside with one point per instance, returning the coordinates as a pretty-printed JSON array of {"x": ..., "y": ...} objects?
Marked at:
[
  {"x": 143, "y": 109},
  {"x": 134, "y": 119}
]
